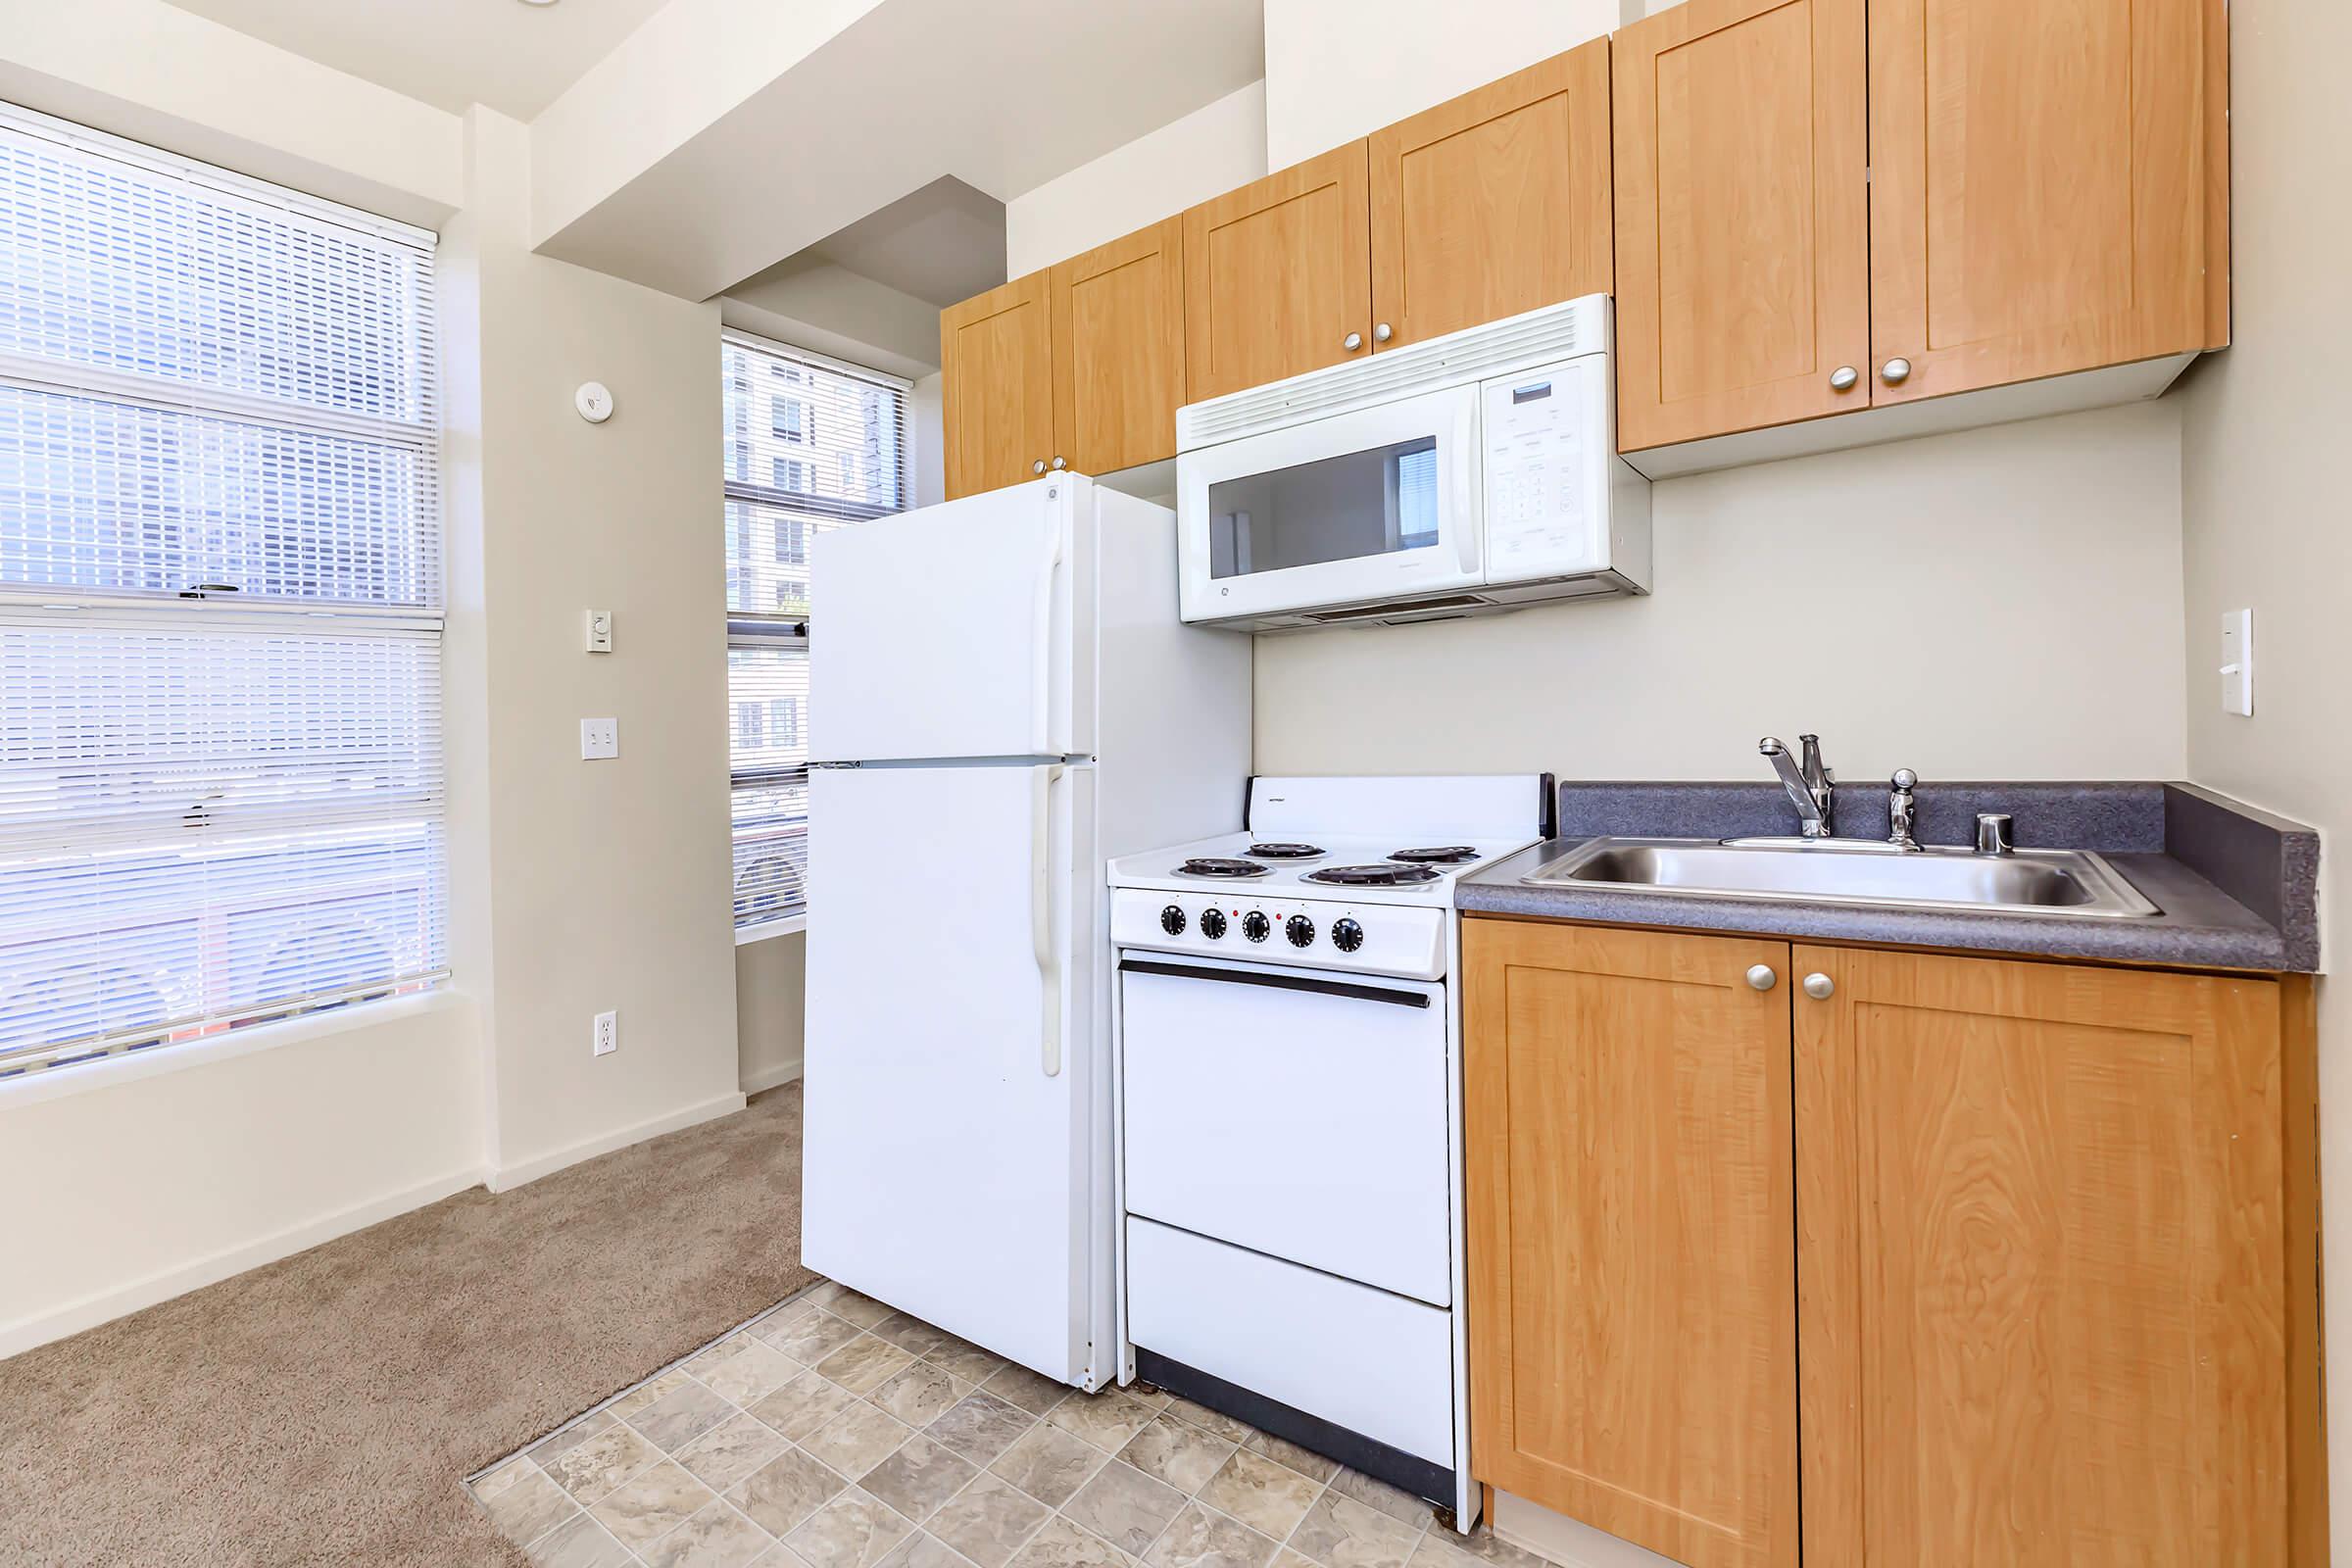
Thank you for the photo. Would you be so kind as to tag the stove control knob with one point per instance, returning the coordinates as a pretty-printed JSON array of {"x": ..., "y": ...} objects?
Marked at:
[
  {"x": 1171, "y": 920},
  {"x": 1212, "y": 923},
  {"x": 1346, "y": 934},
  {"x": 1300, "y": 930},
  {"x": 1255, "y": 926}
]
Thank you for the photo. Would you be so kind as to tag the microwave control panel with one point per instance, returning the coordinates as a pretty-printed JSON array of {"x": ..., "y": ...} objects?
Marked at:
[{"x": 1546, "y": 439}]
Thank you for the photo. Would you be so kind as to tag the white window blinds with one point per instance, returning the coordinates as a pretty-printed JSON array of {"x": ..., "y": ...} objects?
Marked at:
[
  {"x": 809, "y": 444},
  {"x": 220, "y": 772}
]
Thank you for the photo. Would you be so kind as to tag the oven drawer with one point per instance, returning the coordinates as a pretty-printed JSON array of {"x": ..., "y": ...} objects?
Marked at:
[
  {"x": 1375, "y": 1363},
  {"x": 1296, "y": 1113}
]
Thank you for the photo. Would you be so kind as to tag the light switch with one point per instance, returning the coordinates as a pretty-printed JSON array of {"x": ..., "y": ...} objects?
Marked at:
[
  {"x": 599, "y": 631},
  {"x": 599, "y": 738},
  {"x": 2237, "y": 661}
]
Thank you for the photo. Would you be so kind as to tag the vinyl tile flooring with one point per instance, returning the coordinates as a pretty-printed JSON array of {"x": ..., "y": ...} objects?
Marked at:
[{"x": 832, "y": 1432}]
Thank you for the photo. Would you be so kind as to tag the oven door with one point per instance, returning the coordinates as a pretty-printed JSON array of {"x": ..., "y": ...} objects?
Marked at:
[
  {"x": 1371, "y": 505},
  {"x": 1296, "y": 1112}
]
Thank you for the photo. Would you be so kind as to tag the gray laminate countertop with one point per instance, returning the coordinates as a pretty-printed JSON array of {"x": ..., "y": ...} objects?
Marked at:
[{"x": 2237, "y": 888}]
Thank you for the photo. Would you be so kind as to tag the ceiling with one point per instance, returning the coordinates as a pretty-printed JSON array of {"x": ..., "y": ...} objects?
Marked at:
[
  {"x": 517, "y": 58},
  {"x": 942, "y": 243}
]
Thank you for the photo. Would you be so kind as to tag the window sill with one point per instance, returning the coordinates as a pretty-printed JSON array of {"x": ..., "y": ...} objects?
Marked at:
[
  {"x": 115, "y": 1071},
  {"x": 745, "y": 935}
]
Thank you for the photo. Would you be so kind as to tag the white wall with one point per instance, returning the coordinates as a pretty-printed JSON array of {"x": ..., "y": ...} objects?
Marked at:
[
  {"x": 1210, "y": 151},
  {"x": 1337, "y": 70},
  {"x": 2264, "y": 518},
  {"x": 1996, "y": 604}
]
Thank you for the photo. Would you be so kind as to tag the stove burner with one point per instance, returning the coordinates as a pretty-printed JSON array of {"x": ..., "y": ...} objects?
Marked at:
[
  {"x": 1446, "y": 854},
  {"x": 1221, "y": 869},
  {"x": 1284, "y": 852},
  {"x": 1372, "y": 876}
]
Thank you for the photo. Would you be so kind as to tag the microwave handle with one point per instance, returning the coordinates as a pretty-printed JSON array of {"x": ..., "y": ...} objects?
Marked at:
[{"x": 1469, "y": 512}]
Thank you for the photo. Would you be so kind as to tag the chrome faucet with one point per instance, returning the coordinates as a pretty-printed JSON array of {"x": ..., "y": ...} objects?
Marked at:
[
  {"x": 1808, "y": 785},
  {"x": 1901, "y": 808}
]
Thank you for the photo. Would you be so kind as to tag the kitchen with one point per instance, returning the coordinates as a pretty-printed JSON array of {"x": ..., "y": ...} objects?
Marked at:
[{"x": 1397, "y": 1032}]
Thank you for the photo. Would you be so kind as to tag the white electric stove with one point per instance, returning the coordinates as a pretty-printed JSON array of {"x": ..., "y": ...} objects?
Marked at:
[{"x": 1290, "y": 1082}]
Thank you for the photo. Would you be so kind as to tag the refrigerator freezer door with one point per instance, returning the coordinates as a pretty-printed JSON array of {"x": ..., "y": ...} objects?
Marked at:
[
  {"x": 949, "y": 1166},
  {"x": 948, "y": 632}
]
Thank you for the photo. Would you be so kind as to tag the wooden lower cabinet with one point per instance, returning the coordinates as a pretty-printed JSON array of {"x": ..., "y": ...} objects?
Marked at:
[
  {"x": 2004, "y": 1261},
  {"x": 2040, "y": 1266},
  {"x": 1632, "y": 1287}
]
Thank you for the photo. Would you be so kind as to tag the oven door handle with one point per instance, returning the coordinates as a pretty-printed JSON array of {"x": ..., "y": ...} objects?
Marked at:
[{"x": 1279, "y": 982}]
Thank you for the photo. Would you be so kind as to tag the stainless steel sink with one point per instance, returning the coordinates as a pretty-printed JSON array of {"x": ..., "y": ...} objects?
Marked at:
[{"x": 2068, "y": 882}]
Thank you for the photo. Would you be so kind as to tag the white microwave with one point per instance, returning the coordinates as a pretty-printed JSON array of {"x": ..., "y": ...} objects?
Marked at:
[{"x": 1472, "y": 473}]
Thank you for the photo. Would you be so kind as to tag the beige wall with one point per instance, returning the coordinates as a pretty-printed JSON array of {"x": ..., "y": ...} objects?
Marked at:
[
  {"x": 1337, "y": 70},
  {"x": 1210, "y": 151},
  {"x": 2264, "y": 518},
  {"x": 575, "y": 886},
  {"x": 772, "y": 988},
  {"x": 162, "y": 1177},
  {"x": 608, "y": 881},
  {"x": 1996, "y": 604},
  {"x": 166, "y": 76}
]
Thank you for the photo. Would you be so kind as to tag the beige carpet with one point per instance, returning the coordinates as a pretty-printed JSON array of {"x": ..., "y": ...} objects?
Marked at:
[{"x": 328, "y": 1408}]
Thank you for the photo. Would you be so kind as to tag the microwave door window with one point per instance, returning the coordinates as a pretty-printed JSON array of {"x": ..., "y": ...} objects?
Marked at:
[{"x": 1378, "y": 502}]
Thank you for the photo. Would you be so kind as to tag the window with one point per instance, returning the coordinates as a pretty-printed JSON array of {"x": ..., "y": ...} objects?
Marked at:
[
  {"x": 830, "y": 451},
  {"x": 221, "y": 773}
]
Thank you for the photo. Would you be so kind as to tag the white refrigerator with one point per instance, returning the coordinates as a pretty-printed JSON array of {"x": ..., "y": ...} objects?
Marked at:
[{"x": 1002, "y": 698}]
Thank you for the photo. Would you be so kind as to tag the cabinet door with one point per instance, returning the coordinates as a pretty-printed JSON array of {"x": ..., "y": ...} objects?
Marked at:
[
  {"x": 996, "y": 386},
  {"x": 1742, "y": 229},
  {"x": 1277, "y": 276},
  {"x": 1118, "y": 351},
  {"x": 1631, "y": 1290},
  {"x": 2039, "y": 1255},
  {"x": 1495, "y": 203},
  {"x": 2038, "y": 189}
]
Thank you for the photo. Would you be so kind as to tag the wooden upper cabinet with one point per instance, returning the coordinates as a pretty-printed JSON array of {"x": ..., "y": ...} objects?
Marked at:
[
  {"x": 1495, "y": 203},
  {"x": 1276, "y": 277},
  {"x": 2040, "y": 1261},
  {"x": 1118, "y": 350},
  {"x": 2039, "y": 184},
  {"x": 996, "y": 386},
  {"x": 1632, "y": 1278},
  {"x": 1742, "y": 217}
]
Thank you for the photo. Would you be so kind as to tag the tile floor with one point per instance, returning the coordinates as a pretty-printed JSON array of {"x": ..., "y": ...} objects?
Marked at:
[{"x": 834, "y": 1433}]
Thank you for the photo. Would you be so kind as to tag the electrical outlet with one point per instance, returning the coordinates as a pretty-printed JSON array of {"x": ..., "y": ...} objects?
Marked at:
[
  {"x": 599, "y": 738},
  {"x": 607, "y": 1033}
]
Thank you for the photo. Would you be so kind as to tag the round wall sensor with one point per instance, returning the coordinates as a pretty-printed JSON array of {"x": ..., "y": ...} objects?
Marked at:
[{"x": 594, "y": 401}]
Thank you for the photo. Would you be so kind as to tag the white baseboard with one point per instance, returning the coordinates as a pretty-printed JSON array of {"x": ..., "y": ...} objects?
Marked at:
[
  {"x": 100, "y": 1306},
  {"x": 766, "y": 1078},
  {"x": 506, "y": 1178}
]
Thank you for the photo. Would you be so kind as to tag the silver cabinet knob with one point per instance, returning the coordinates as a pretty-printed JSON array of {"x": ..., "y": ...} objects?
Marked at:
[
  {"x": 1760, "y": 976},
  {"x": 1039, "y": 466},
  {"x": 1843, "y": 378},
  {"x": 1353, "y": 341},
  {"x": 1382, "y": 332},
  {"x": 1894, "y": 372},
  {"x": 1058, "y": 464},
  {"x": 1819, "y": 987}
]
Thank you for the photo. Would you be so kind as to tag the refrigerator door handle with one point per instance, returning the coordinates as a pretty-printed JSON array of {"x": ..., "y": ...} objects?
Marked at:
[
  {"x": 1041, "y": 916},
  {"x": 1041, "y": 648}
]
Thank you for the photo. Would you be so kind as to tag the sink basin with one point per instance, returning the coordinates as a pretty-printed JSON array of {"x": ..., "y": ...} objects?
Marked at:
[{"x": 2068, "y": 882}]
